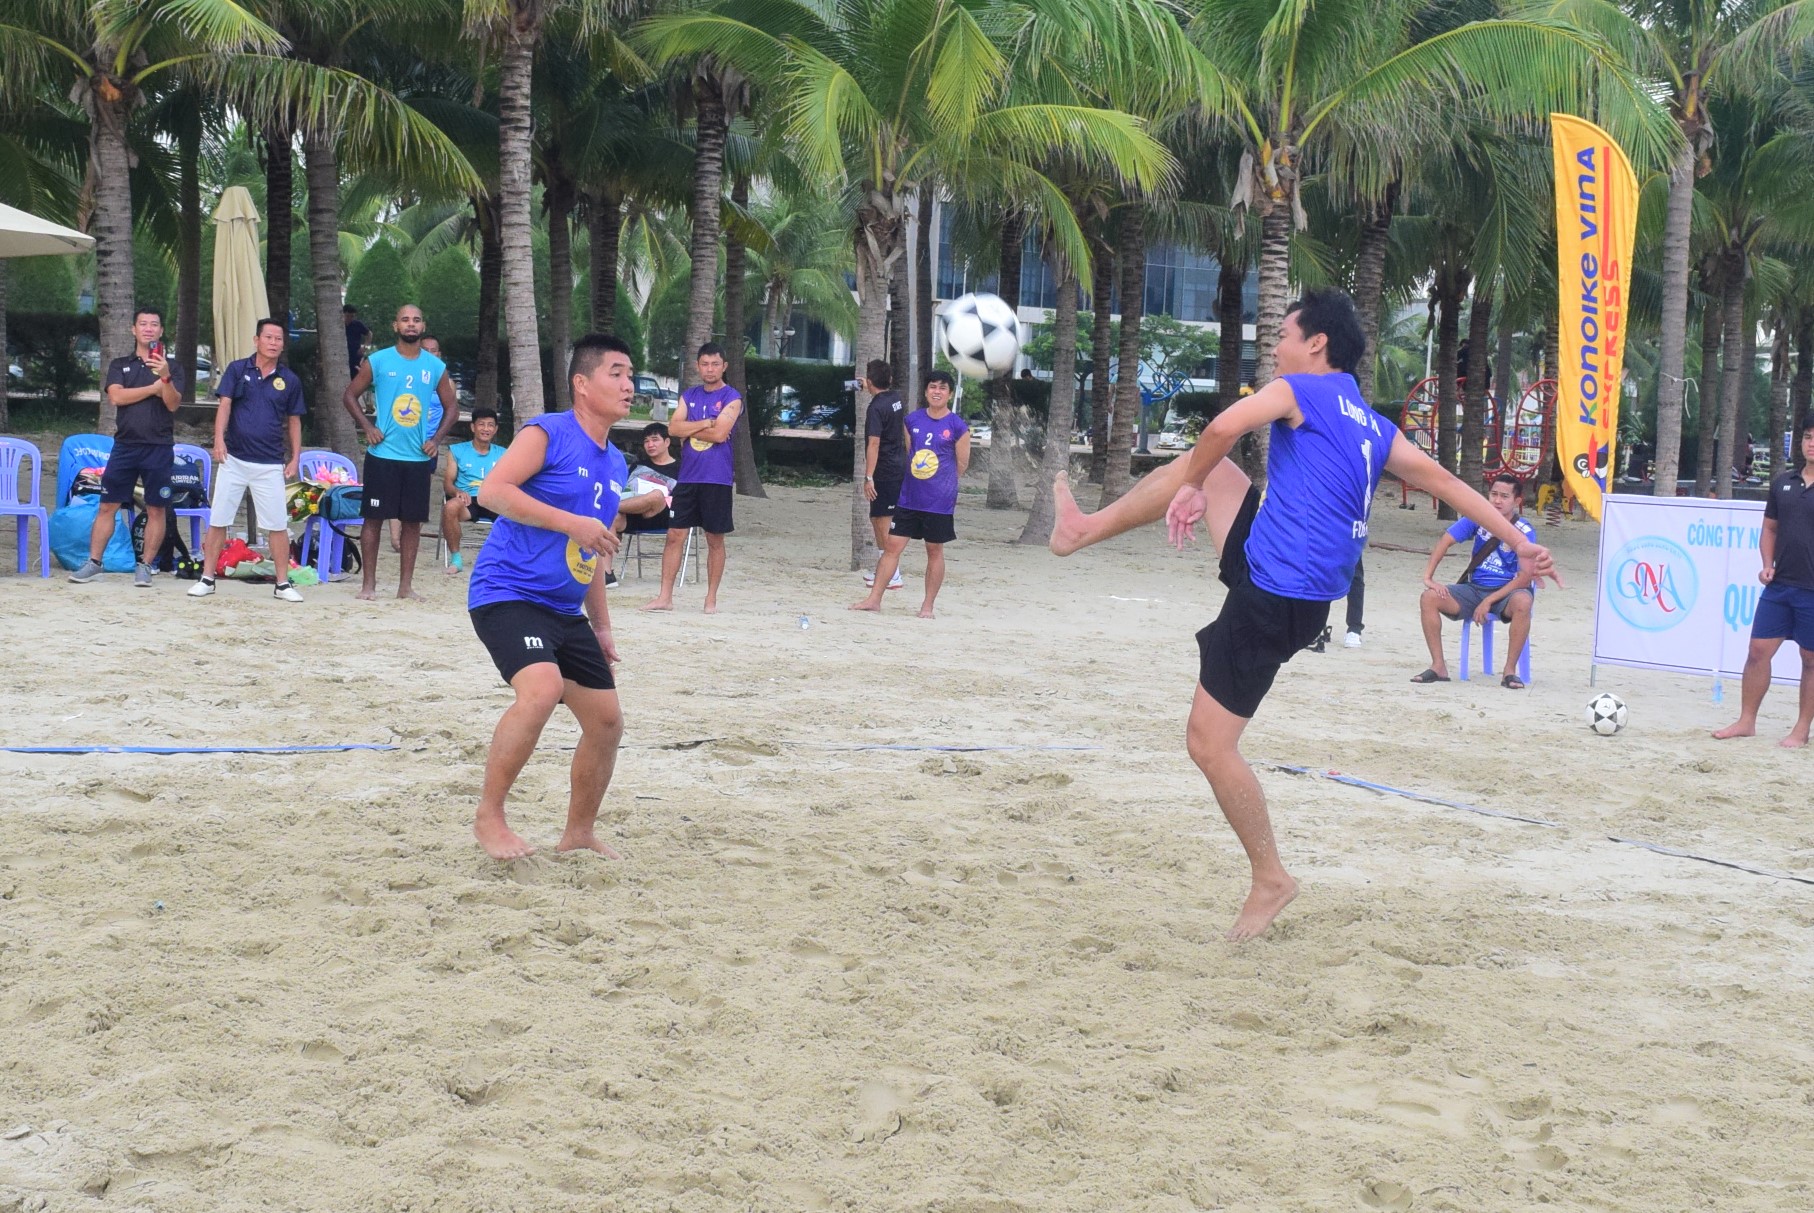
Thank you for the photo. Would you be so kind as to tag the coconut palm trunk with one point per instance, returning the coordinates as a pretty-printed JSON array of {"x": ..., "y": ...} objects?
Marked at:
[
  {"x": 710, "y": 125},
  {"x": 922, "y": 302},
  {"x": 1102, "y": 321},
  {"x": 1004, "y": 440},
  {"x": 491, "y": 280},
  {"x": 1672, "y": 338},
  {"x": 111, "y": 227},
  {"x": 515, "y": 223},
  {"x": 1732, "y": 375},
  {"x": 736, "y": 291},
  {"x": 188, "y": 251},
  {"x": 321, "y": 171},
  {"x": 1118, "y": 476},
  {"x": 1779, "y": 395},
  {"x": 1275, "y": 267},
  {"x": 900, "y": 321},
  {"x": 1707, "y": 401},
  {"x": 1451, "y": 287},
  {"x": 1474, "y": 431},
  {"x": 1801, "y": 392},
  {"x": 1230, "y": 280},
  {"x": 876, "y": 230},
  {"x": 280, "y": 209},
  {"x": 559, "y": 196},
  {"x": 604, "y": 225},
  {"x": 1369, "y": 285},
  {"x": 1504, "y": 378},
  {"x": 1062, "y": 413}
]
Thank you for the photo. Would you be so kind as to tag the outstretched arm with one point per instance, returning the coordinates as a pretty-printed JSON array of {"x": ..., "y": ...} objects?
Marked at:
[{"x": 1422, "y": 472}]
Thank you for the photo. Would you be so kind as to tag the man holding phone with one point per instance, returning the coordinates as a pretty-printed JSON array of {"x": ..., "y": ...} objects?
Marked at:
[{"x": 144, "y": 391}]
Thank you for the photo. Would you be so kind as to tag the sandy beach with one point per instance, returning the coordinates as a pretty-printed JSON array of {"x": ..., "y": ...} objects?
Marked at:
[{"x": 831, "y": 977}]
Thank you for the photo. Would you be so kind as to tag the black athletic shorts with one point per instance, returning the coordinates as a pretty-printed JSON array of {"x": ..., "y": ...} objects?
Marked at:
[
  {"x": 1256, "y": 632},
  {"x": 918, "y": 524},
  {"x": 650, "y": 522},
  {"x": 707, "y": 506},
  {"x": 521, "y": 634},
  {"x": 478, "y": 513},
  {"x": 397, "y": 488},
  {"x": 129, "y": 463},
  {"x": 888, "y": 495}
]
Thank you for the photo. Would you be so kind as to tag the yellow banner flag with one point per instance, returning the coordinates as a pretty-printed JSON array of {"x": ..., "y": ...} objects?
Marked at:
[{"x": 1596, "y": 217}]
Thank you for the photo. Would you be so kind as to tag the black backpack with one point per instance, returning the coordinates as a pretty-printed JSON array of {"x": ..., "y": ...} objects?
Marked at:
[{"x": 172, "y": 557}]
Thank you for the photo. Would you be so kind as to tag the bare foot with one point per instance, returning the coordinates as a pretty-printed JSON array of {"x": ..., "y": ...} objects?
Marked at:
[
  {"x": 925, "y": 612},
  {"x": 711, "y": 608},
  {"x": 585, "y": 840},
  {"x": 868, "y": 604},
  {"x": 452, "y": 570},
  {"x": 1070, "y": 525},
  {"x": 1794, "y": 741},
  {"x": 499, "y": 840},
  {"x": 367, "y": 594},
  {"x": 1738, "y": 728},
  {"x": 1264, "y": 901},
  {"x": 410, "y": 595},
  {"x": 657, "y": 604}
]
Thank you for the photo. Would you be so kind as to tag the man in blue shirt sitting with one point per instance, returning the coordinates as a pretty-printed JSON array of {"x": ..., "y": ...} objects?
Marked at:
[
  {"x": 1492, "y": 584},
  {"x": 468, "y": 463}
]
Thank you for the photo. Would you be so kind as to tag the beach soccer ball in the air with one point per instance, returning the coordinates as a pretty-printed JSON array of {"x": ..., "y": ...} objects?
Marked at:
[
  {"x": 1606, "y": 713},
  {"x": 980, "y": 335}
]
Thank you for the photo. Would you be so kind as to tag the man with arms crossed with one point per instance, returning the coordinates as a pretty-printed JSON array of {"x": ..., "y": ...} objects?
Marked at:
[
  {"x": 400, "y": 463},
  {"x": 537, "y": 596},
  {"x": 1286, "y": 556},
  {"x": 257, "y": 445},
  {"x": 143, "y": 388},
  {"x": 707, "y": 416},
  {"x": 1493, "y": 584},
  {"x": 1786, "y": 607},
  {"x": 884, "y": 457}
]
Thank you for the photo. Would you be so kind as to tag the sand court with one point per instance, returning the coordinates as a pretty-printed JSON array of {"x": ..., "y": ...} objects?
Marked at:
[{"x": 829, "y": 977}]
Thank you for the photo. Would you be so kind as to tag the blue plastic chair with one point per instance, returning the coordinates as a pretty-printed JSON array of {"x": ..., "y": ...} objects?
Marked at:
[
  {"x": 77, "y": 452},
  {"x": 196, "y": 516},
  {"x": 327, "y": 545},
  {"x": 1486, "y": 651},
  {"x": 15, "y": 455}
]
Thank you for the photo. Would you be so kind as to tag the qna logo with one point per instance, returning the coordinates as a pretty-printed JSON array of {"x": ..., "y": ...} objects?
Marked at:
[{"x": 1654, "y": 583}]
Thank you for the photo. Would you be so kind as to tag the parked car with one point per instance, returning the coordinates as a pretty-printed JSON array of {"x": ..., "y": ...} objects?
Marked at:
[
  {"x": 1172, "y": 438},
  {"x": 649, "y": 393}
]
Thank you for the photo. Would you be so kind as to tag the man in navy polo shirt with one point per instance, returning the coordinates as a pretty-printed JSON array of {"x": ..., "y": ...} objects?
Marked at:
[
  {"x": 1785, "y": 609},
  {"x": 257, "y": 445},
  {"x": 144, "y": 388}
]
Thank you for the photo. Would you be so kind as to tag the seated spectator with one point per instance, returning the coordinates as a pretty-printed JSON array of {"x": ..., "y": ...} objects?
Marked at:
[
  {"x": 1492, "y": 584},
  {"x": 650, "y": 493},
  {"x": 468, "y": 464}
]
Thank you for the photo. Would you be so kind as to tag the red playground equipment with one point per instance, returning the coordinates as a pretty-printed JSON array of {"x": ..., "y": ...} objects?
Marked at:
[{"x": 1514, "y": 442}]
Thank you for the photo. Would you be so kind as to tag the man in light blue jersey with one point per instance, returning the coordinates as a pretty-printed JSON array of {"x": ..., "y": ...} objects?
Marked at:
[
  {"x": 1286, "y": 555},
  {"x": 537, "y": 596},
  {"x": 400, "y": 464}
]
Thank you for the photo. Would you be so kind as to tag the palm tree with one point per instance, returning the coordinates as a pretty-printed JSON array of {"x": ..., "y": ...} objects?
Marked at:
[
  {"x": 111, "y": 51},
  {"x": 875, "y": 95},
  {"x": 1703, "y": 49},
  {"x": 1296, "y": 75},
  {"x": 41, "y": 154}
]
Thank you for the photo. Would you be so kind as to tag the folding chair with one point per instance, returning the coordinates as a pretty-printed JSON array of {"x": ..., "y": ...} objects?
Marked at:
[
  {"x": 632, "y": 547},
  {"x": 17, "y": 455}
]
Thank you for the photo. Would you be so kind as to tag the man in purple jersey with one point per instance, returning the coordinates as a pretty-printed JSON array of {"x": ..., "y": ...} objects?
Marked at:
[
  {"x": 1286, "y": 555},
  {"x": 940, "y": 442},
  {"x": 537, "y": 596},
  {"x": 706, "y": 419}
]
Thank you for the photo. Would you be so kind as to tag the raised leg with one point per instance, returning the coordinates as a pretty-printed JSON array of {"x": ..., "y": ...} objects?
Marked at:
[
  {"x": 1214, "y": 741},
  {"x": 538, "y": 688},
  {"x": 601, "y": 724}
]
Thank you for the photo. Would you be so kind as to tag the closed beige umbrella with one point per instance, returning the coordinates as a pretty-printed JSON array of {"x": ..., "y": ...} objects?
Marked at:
[{"x": 239, "y": 280}]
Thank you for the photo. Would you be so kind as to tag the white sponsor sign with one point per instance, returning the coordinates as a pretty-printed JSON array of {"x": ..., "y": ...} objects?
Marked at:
[{"x": 1678, "y": 586}]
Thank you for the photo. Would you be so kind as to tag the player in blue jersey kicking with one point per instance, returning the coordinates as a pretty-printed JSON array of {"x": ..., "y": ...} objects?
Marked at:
[
  {"x": 1286, "y": 554},
  {"x": 537, "y": 597}
]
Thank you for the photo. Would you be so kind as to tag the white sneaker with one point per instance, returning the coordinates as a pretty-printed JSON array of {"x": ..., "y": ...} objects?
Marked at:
[
  {"x": 894, "y": 583},
  {"x": 283, "y": 593},
  {"x": 1351, "y": 640},
  {"x": 869, "y": 577},
  {"x": 202, "y": 588}
]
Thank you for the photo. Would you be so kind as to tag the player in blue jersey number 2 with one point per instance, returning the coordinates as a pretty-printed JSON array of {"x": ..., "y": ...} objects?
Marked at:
[{"x": 1285, "y": 555}]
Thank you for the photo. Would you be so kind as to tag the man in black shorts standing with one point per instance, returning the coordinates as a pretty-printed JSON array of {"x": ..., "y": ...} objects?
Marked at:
[
  {"x": 399, "y": 467},
  {"x": 705, "y": 421},
  {"x": 143, "y": 387},
  {"x": 884, "y": 456},
  {"x": 1284, "y": 559}
]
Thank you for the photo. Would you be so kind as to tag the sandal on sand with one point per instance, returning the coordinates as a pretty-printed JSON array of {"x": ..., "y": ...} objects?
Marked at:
[
  {"x": 1431, "y": 675},
  {"x": 1512, "y": 682}
]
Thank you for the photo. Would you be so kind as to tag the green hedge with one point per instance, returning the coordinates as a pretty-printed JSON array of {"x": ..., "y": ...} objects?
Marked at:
[{"x": 818, "y": 384}]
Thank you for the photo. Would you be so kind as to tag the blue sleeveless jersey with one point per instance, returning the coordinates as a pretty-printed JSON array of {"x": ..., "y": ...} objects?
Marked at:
[
  {"x": 1320, "y": 478},
  {"x": 401, "y": 391},
  {"x": 522, "y": 563}
]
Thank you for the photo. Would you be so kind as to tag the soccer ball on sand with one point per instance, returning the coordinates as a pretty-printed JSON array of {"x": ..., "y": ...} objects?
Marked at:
[
  {"x": 1606, "y": 713},
  {"x": 979, "y": 334}
]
